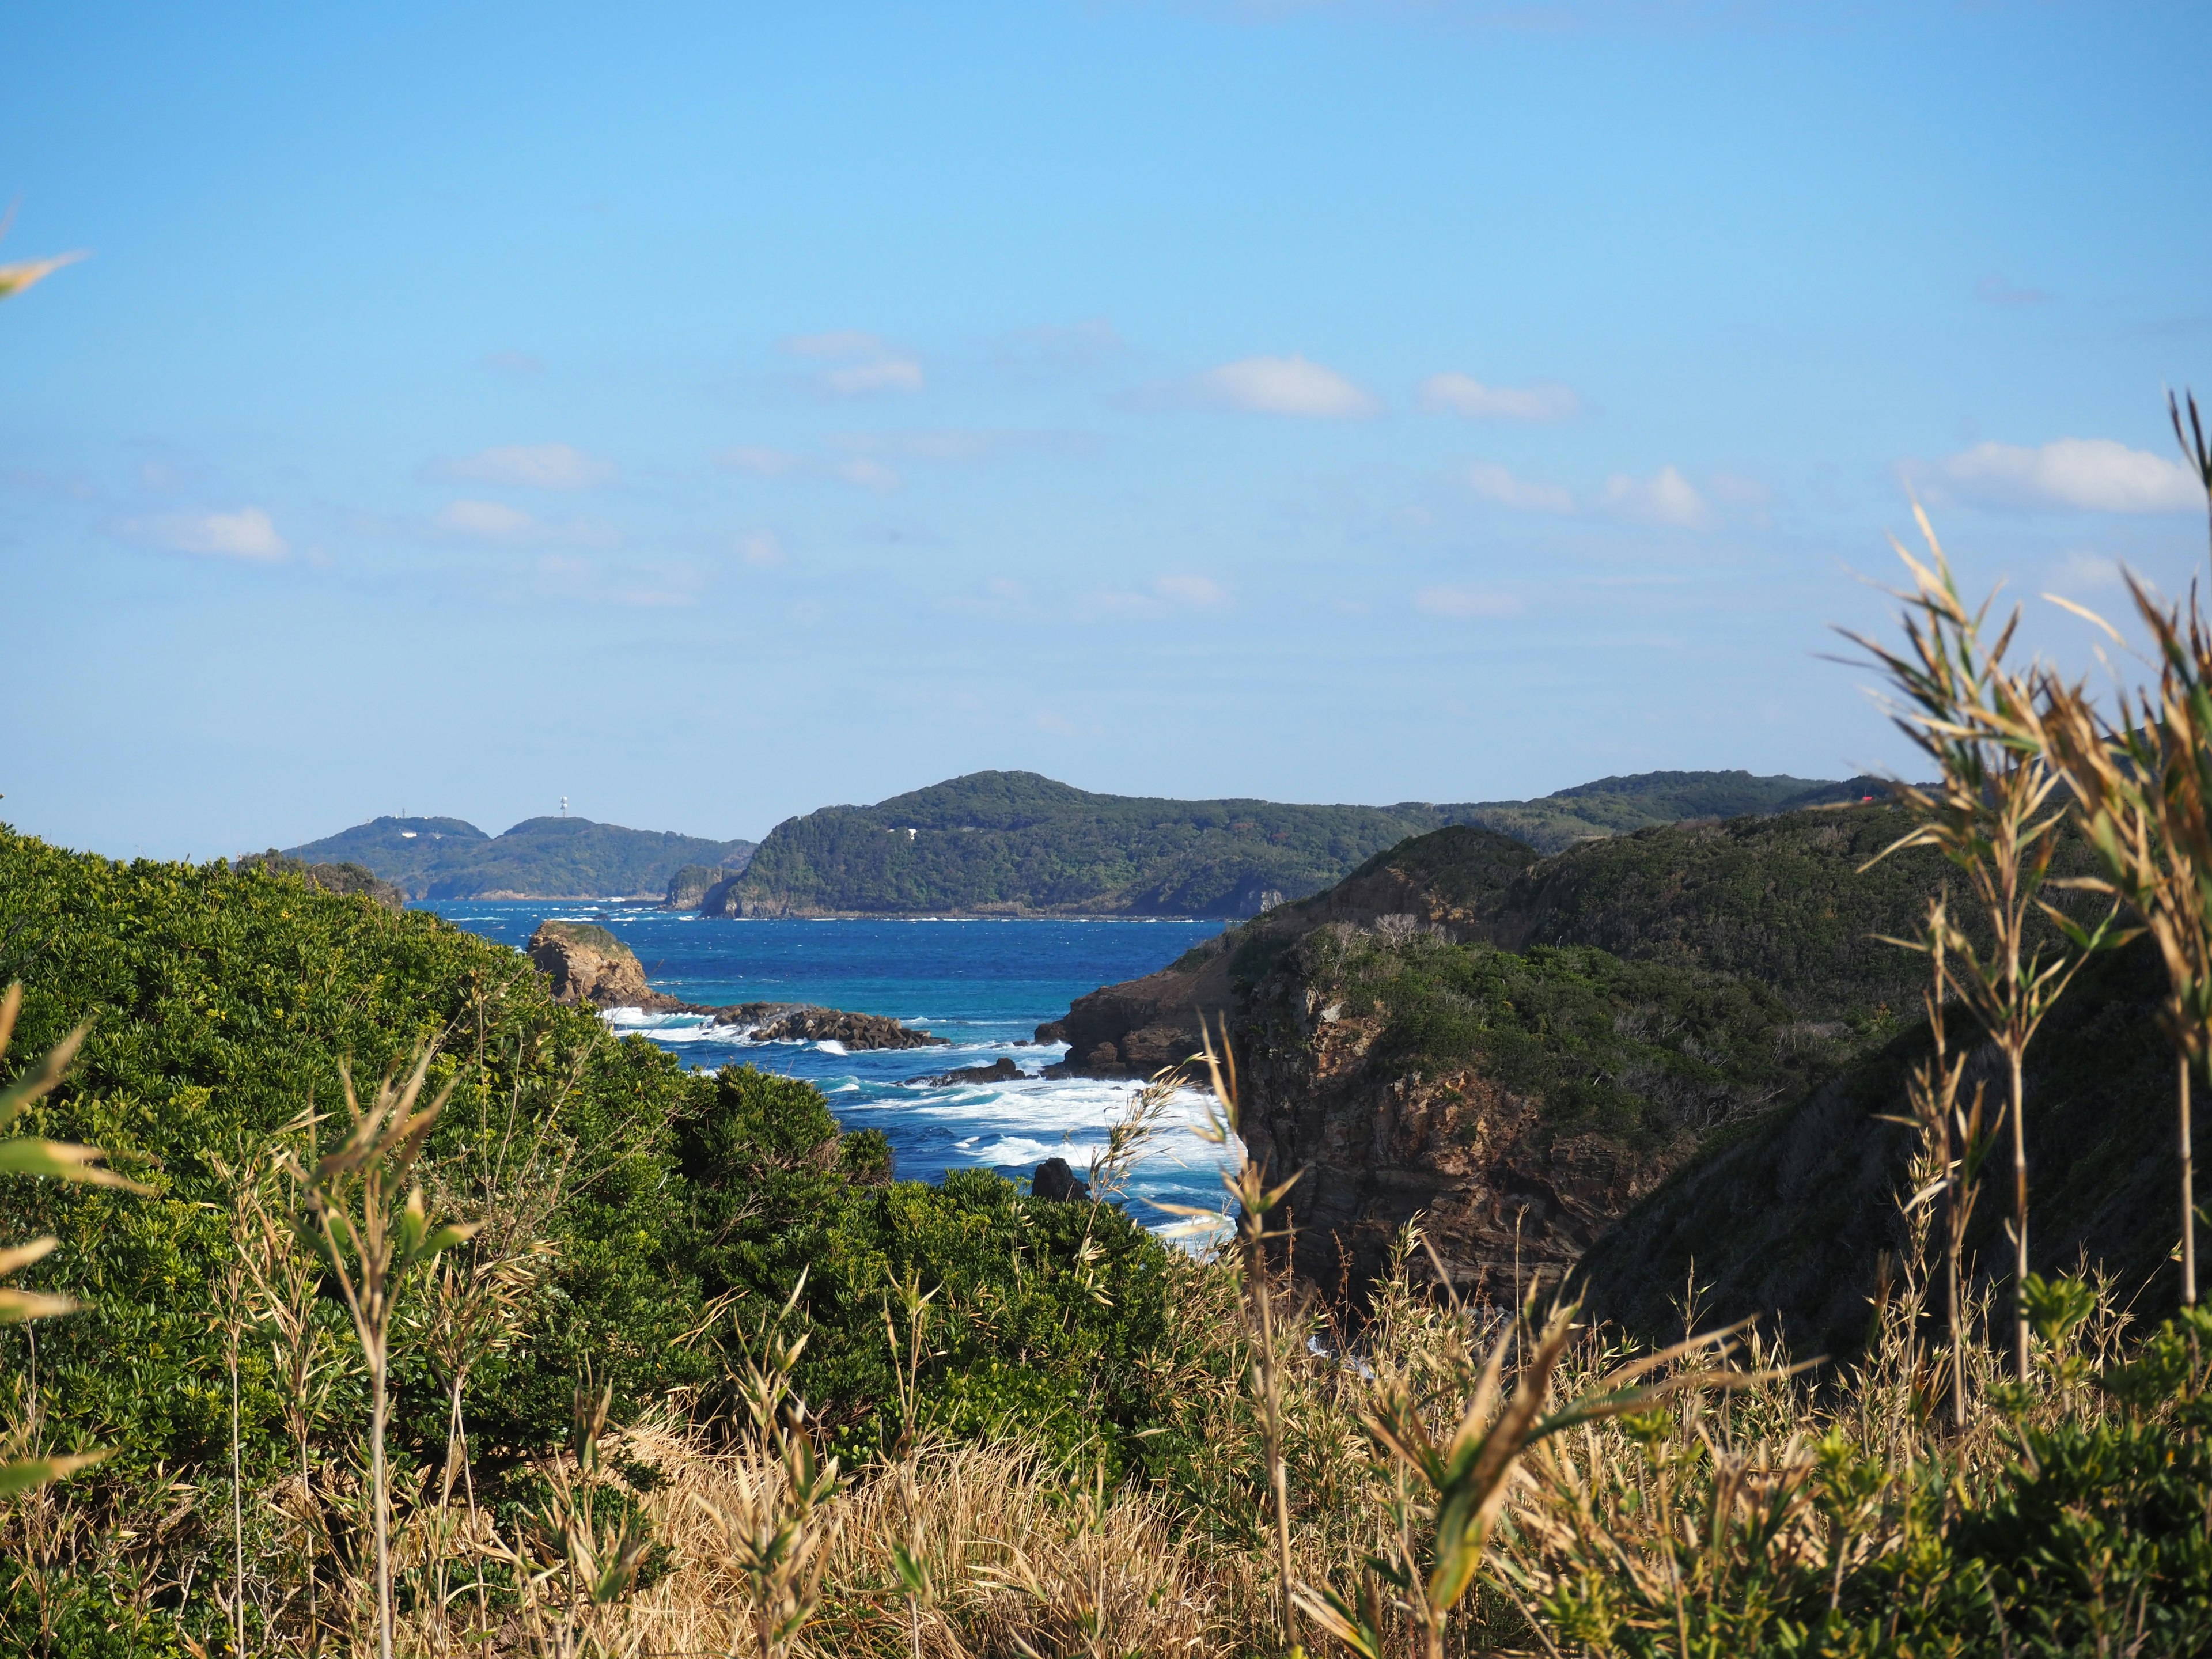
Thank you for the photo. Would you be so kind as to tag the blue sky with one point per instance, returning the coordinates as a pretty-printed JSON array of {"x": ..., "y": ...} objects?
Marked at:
[{"x": 709, "y": 414}]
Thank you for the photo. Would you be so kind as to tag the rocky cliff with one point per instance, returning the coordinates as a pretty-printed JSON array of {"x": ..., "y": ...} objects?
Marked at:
[
  {"x": 1520, "y": 1049},
  {"x": 588, "y": 964}
]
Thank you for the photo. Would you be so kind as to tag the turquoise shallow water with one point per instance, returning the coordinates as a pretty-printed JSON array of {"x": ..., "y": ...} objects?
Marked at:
[{"x": 986, "y": 985}]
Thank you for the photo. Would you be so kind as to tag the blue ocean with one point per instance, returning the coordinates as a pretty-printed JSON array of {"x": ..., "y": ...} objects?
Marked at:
[{"x": 986, "y": 985}]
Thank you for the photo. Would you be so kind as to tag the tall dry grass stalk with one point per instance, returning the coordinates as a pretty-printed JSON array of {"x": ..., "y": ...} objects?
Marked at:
[
  {"x": 364, "y": 1217},
  {"x": 1954, "y": 1140},
  {"x": 1992, "y": 815},
  {"x": 1247, "y": 1185}
]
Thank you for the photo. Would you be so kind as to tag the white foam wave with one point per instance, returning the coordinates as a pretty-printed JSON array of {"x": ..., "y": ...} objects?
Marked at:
[{"x": 830, "y": 1046}]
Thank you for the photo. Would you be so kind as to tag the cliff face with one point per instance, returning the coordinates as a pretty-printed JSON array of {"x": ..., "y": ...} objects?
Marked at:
[{"x": 1521, "y": 1050}]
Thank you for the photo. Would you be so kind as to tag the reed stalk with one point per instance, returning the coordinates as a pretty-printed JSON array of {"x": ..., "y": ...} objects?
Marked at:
[
  {"x": 1992, "y": 814},
  {"x": 366, "y": 1217}
]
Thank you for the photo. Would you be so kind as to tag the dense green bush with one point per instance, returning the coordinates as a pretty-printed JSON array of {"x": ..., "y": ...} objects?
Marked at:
[
  {"x": 1638, "y": 1050},
  {"x": 224, "y": 1003}
]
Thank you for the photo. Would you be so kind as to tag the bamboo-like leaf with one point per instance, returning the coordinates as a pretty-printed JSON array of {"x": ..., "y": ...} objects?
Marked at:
[
  {"x": 28, "y": 1155},
  {"x": 1339, "y": 1618},
  {"x": 17, "y": 1306},
  {"x": 28, "y": 1473},
  {"x": 14, "y": 278}
]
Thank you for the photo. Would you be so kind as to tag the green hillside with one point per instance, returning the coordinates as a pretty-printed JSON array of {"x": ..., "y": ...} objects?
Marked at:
[
  {"x": 538, "y": 858},
  {"x": 223, "y": 1003},
  {"x": 1017, "y": 843}
]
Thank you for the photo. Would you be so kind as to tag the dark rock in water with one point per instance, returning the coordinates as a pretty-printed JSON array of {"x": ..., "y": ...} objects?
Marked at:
[
  {"x": 998, "y": 1071},
  {"x": 1054, "y": 1179},
  {"x": 788, "y": 1023},
  {"x": 1052, "y": 1031}
]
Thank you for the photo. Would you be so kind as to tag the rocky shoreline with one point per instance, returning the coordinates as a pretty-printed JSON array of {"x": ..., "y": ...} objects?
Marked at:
[{"x": 588, "y": 964}]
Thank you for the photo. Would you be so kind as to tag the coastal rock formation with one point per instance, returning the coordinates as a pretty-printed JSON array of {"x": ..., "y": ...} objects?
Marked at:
[
  {"x": 783, "y": 1021},
  {"x": 1054, "y": 1180},
  {"x": 588, "y": 964},
  {"x": 998, "y": 1071},
  {"x": 692, "y": 887}
]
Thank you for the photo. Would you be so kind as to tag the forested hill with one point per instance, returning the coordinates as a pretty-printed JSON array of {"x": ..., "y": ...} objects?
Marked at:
[
  {"x": 1015, "y": 843},
  {"x": 538, "y": 858}
]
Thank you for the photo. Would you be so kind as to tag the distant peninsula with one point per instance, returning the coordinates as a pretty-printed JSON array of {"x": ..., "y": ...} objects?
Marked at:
[
  {"x": 1019, "y": 844},
  {"x": 551, "y": 858}
]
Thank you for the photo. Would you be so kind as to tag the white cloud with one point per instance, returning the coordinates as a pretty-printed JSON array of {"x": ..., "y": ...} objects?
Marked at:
[
  {"x": 1494, "y": 483},
  {"x": 877, "y": 374},
  {"x": 249, "y": 533},
  {"x": 761, "y": 461},
  {"x": 838, "y": 342},
  {"x": 513, "y": 362},
  {"x": 868, "y": 474},
  {"x": 1199, "y": 591},
  {"x": 1462, "y": 394},
  {"x": 1285, "y": 385},
  {"x": 492, "y": 520},
  {"x": 1466, "y": 602},
  {"x": 1665, "y": 497},
  {"x": 880, "y": 366},
  {"x": 496, "y": 522},
  {"x": 529, "y": 466},
  {"x": 2082, "y": 568},
  {"x": 761, "y": 547},
  {"x": 2088, "y": 474}
]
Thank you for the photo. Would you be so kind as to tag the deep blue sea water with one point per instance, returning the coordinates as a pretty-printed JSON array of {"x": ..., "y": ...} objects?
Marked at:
[{"x": 984, "y": 984}]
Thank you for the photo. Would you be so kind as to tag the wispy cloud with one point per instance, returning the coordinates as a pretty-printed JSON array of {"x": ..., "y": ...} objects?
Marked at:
[
  {"x": 1666, "y": 497},
  {"x": 247, "y": 533},
  {"x": 528, "y": 466},
  {"x": 496, "y": 522},
  {"x": 861, "y": 364},
  {"x": 761, "y": 461},
  {"x": 1466, "y": 602},
  {"x": 1996, "y": 291},
  {"x": 2095, "y": 475},
  {"x": 1270, "y": 386},
  {"x": 513, "y": 362},
  {"x": 761, "y": 549},
  {"x": 1200, "y": 592},
  {"x": 1462, "y": 394},
  {"x": 1494, "y": 483},
  {"x": 1178, "y": 590}
]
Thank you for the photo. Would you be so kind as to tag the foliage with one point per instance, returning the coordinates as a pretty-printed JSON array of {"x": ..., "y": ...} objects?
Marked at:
[
  {"x": 1018, "y": 843},
  {"x": 1640, "y": 1051},
  {"x": 539, "y": 858},
  {"x": 224, "y": 1003}
]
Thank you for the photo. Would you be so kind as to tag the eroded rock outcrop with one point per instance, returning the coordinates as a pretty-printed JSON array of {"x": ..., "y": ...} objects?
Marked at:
[{"x": 588, "y": 964}]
